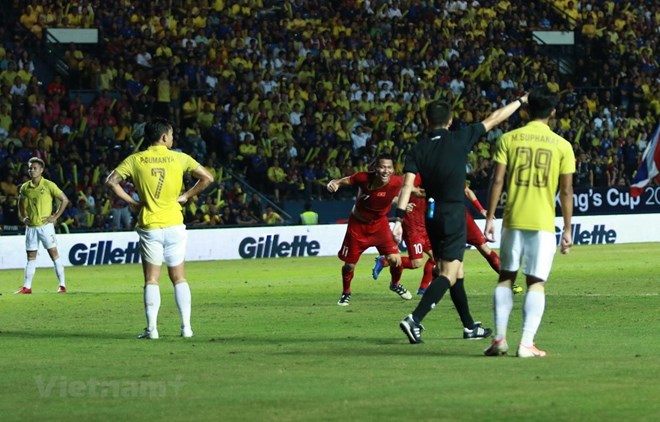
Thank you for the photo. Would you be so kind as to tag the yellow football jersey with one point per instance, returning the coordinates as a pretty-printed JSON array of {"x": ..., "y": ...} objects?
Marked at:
[
  {"x": 157, "y": 174},
  {"x": 39, "y": 200},
  {"x": 535, "y": 157}
]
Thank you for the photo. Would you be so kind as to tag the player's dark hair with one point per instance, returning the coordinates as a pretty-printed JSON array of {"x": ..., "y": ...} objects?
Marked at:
[
  {"x": 438, "y": 113},
  {"x": 541, "y": 102},
  {"x": 382, "y": 156},
  {"x": 155, "y": 129},
  {"x": 38, "y": 161}
]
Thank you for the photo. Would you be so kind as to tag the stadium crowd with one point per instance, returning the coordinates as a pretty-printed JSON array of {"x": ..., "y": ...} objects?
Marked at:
[{"x": 290, "y": 94}]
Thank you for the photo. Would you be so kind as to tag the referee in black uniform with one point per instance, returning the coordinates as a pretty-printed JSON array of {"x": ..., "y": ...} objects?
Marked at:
[{"x": 440, "y": 156}]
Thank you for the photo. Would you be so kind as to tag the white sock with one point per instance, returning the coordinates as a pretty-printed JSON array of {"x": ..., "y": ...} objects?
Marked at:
[
  {"x": 151, "y": 305},
  {"x": 502, "y": 306},
  {"x": 183, "y": 300},
  {"x": 532, "y": 315},
  {"x": 59, "y": 271},
  {"x": 30, "y": 269}
]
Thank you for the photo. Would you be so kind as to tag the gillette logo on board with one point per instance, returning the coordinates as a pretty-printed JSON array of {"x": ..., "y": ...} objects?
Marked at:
[
  {"x": 103, "y": 253},
  {"x": 271, "y": 247},
  {"x": 596, "y": 235}
]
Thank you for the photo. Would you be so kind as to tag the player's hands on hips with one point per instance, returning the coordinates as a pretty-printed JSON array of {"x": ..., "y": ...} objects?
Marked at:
[
  {"x": 489, "y": 230},
  {"x": 135, "y": 208},
  {"x": 566, "y": 241},
  {"x": 48, "y": 220},
  {"x": 182, "y": 199},
  {"x": 397, "y": 231}
]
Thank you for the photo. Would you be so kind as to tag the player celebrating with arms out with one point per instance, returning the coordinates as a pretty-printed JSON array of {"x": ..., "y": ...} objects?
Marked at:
[
  {"x": 416, "y": 240},
  {"x": 368, "y": 224}
]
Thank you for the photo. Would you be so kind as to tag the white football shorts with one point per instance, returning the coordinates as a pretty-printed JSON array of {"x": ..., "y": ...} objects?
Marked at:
[
  {"x": 535, "y": 248},
  {"x": 44, "y": 234},
  {"x": 168, "y": 244}
]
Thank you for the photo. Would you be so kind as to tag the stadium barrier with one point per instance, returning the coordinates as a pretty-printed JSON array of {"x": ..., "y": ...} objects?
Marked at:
[
  {"x": 290, "y": 241},
  {"x": 586, "y": 201}
]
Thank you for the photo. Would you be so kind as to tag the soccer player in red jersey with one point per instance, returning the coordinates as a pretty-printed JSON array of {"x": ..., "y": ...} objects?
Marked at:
[
  {"x": 416, "y": 240},
  {"x": 368, "y": 224},
  {"x": 475, "y": 237},
  {"x": 418, "y": 243}
]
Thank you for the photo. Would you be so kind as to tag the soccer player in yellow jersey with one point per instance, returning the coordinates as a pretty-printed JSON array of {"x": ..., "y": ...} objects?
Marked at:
[
  {"x": 536, "y": 161},
  {"x": 157, "y": 174},
  {"x": 35, "y": 209}
]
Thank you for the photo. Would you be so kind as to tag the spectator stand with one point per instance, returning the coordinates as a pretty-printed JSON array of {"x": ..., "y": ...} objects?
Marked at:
[{"x": 265, "y": 80}]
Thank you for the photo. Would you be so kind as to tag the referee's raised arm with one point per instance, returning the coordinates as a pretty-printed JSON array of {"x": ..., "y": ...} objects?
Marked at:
[{"x": 503, "y": 113}]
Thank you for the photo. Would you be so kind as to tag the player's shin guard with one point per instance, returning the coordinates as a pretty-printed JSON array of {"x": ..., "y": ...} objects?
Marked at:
[
  {"x": 30, "y": 269},
  {"x": 151, "y": 305},
  {"x": 396, "y": 272},
  {"x": 502, "y": 306},
  {"x": 427, "y": 277},
  {"x": 459, "y": 297},
  {"x": 433, "y": 295},
  {"x": 532, "y": 314},
  {"x": 406, "y": 263},
  {"x": 59, "y": 271},
  {"x": 183, "y": 300},
  {"x": 494, "y": 261},
  {"x": 346, "y": 278}
]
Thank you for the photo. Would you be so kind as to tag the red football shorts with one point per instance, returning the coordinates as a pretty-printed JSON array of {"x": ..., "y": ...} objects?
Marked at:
[
  {"x": 417, "y": 242},
  {"x": 361, "y": 236}
]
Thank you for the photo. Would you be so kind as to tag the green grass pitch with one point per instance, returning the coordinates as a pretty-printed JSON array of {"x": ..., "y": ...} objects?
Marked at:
[{"x": 272, "y": 345}]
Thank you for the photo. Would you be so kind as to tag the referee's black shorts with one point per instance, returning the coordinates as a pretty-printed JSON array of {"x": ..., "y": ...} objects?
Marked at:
[{"x": 447, "y": 232}]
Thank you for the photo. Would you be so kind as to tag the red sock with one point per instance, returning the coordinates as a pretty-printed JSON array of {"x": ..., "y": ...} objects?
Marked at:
[
  {"x": 346, "y": 278},
  {"x": 396, "y": 272},
  {"x": 406, "y": 262},
  {"x": 494, "y": 261},
  {"x": 427, "y": 277}
]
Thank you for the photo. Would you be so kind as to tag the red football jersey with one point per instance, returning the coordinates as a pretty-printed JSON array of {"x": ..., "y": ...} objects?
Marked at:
[
  {"x": 414, "y": 221},
  {"x": 373, "y": 204}
]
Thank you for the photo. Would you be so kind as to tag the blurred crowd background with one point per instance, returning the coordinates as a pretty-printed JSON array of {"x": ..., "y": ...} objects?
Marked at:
[{"x": 276, "y": 98}]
